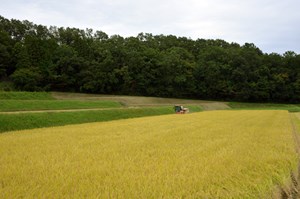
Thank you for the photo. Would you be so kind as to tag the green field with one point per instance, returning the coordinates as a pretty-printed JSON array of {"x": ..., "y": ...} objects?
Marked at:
[
  {"x": 32, "y": 101},
  {"x": 10, "y": 122},
  {"x": 27, "y": 105}
]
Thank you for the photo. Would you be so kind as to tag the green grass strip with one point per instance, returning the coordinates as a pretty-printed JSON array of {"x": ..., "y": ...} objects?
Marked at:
[
  {"x": 11, "y": 122},
  {"x": 25, "y": 96},
  {"x": 264, "y": 106},
  {"x": 28, "y": 105}
]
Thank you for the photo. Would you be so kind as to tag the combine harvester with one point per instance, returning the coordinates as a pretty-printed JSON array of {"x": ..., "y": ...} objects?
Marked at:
[{"x": 180, "y": 109}]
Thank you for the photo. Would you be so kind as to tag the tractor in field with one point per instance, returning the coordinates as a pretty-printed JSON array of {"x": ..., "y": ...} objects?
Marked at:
[{"x": 180, "y": 109}]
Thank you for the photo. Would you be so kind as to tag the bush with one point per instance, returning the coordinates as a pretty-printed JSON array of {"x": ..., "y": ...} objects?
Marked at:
[{"x": 6, "y": 86}]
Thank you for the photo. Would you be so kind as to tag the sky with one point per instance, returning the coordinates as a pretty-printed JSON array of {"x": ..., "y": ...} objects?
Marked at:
[{"x": 272, "y": 25}]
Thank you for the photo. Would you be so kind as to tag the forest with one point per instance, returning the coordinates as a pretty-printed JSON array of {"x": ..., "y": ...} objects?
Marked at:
[{"x": 40, "y": 58}]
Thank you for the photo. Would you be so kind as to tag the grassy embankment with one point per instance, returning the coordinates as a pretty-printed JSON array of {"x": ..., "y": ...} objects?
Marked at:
[
  {"x": 216, "y": 154},
  {"x": 10, "y": 122},
  {"x": 264, "y": 106}
]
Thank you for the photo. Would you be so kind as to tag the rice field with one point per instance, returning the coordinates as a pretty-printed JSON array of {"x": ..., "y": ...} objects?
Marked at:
[{"x": 216, "y": 154}]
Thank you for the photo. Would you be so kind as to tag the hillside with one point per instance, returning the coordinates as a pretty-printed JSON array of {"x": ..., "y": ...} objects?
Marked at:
[{"x": 141, "y": 101}]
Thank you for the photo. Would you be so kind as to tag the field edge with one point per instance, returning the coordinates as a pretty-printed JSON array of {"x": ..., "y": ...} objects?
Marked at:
[{"x": 291, "y": 189}]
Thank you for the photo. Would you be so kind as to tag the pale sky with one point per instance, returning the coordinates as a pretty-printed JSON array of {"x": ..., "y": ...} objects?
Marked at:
[{"x": 272, "y": 25}]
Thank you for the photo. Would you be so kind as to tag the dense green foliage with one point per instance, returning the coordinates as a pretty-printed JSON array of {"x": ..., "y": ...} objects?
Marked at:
[
  {"x": 38, "y": 58},
  {"x": 25, "y": 105},
  {"x": 10, "y": 122},
  {"x": 25, "y": 96}
]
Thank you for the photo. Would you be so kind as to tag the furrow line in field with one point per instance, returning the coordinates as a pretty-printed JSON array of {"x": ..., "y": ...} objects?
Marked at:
[{"x": 67, "y": 110}]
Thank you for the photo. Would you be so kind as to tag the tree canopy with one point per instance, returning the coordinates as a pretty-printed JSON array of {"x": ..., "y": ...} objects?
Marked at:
[{"x": 39, "y": 58}]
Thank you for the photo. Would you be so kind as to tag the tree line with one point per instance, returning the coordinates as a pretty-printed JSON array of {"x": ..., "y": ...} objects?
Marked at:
[{"x": 40, "y": 58}]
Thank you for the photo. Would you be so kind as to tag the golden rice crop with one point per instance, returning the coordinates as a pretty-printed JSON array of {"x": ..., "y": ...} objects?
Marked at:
[
  {"x": 296, "y": 117},
  {"x": 217, "y": 154}
]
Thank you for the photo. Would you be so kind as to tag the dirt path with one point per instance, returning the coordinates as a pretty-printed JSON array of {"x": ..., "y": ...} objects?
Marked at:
[{"x": 294, "y": 191}]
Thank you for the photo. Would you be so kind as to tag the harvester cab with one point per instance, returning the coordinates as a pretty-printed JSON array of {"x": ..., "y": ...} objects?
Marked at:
[{"x": 180, "y": 109}]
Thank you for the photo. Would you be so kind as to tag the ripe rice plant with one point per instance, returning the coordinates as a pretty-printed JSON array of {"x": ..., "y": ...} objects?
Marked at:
[{"x": 216, "y": 154}]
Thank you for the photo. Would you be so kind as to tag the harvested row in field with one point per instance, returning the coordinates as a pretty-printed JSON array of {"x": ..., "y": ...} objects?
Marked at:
[
  {"x": 26, "y": 105},
  {"x": 217, "y": 154}
]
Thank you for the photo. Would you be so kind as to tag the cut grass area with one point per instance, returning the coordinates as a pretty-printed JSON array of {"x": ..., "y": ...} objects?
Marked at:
[
  {"x": 128, "y": 100},
  {"x": 141, "y": 101},
  {"x": 264, "y": 106},
  {"x": 27, "y": 105},
  {"x": 10, "y": 122},
  {"x": 215, "y": 154},
  {"x": 25, "y": 95}
]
